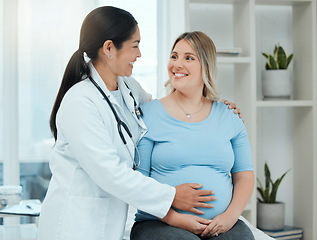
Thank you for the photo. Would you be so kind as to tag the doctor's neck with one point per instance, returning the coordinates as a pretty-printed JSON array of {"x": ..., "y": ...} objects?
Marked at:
[{"x": 107, "y": 76}]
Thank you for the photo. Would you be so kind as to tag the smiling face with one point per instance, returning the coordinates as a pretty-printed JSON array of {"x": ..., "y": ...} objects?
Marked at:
[
  {"x": 123, "y": 59},
  {"x": 184, "y": 68}
]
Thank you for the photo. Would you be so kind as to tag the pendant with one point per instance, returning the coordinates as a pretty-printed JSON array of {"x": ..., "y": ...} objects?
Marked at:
[{"x": 188, "y": 115}]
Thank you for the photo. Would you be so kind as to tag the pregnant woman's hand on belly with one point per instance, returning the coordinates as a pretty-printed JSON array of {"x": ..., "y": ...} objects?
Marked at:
[
  {"x": 187, "y": 198},
  {"x": 187, "y": 222},
  {"x": 220, "y": 224}
]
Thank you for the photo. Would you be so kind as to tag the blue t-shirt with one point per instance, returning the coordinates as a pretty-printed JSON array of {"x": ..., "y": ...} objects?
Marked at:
[{"x": 207, "y": 152}]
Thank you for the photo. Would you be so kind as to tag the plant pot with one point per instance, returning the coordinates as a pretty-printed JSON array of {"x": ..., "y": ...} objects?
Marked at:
[
  {"x": 270, "y": 216},
  {"x": 276, "y": 84}
]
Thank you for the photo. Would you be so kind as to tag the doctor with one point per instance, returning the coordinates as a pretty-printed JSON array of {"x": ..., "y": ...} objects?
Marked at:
[{"x": 93, "y": 180}]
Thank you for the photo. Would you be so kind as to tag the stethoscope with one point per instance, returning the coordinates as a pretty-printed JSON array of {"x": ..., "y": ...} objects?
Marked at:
[{"x": 120, "y": 123}]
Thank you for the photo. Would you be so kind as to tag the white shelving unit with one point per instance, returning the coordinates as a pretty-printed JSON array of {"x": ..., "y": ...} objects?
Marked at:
[
  {"x": 233, "y": 60},
  {"x": 286, "y": 130},
  {"x": 283, "y": 133}
]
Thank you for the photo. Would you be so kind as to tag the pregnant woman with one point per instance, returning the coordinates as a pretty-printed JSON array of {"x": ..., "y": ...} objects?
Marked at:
[{"x": 193, "y": 138}]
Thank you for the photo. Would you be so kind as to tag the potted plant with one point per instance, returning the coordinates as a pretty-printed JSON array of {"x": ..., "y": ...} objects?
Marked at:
[
  {"x": 270, "y": 213},
  {"x": 276, "y": 78}
]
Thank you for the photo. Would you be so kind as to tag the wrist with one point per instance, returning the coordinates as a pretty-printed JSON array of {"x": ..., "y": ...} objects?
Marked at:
[
  {"x": 176, "y": 196},
  {"x": 168, "y": 216},
  {"x": 233, "y": 214},
  {"x": 171, "y": 217}
]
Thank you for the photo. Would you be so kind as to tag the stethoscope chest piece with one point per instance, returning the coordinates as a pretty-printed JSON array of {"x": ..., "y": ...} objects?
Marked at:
[{"x": 138, "y": 112}]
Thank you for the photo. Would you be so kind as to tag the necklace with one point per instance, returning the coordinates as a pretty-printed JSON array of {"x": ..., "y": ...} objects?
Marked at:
[{"x": 189, "y": 115}]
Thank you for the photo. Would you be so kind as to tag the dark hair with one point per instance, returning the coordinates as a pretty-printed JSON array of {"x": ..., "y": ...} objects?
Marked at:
[{"x": 102, "y": 24}]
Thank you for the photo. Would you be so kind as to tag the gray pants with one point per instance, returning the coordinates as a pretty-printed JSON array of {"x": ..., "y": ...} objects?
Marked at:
[{"x": 158, "y": 230}]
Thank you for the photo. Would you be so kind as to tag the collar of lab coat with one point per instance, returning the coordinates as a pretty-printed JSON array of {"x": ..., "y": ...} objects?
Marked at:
[{"x": 125, "y": 91}]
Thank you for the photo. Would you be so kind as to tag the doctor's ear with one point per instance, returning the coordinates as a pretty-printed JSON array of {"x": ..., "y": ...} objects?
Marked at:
[{"x": 107, "y": 48}]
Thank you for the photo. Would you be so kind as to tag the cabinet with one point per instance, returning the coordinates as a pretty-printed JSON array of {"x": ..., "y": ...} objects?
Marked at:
[{"x": 282, "y": 132}]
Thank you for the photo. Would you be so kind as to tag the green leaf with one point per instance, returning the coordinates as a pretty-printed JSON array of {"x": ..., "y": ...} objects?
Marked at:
[
  {"x": 266, "y": 197},
  {"x": 267, "y": 67},
  {"x": 271, "y": 62},
  {"x": 265, "y": 55},
  {"x": 274, "y": 191},
  {"x": 289, "y": 59},
  {"x": 259, "y": 183},
  {"x": 261, "y": 192},
  {"x": 281, "y": 58},
  {"x": 275, "y": 186},
  {"x": 275, "y": 49},
  {"x": 281, "y": 178},
  {"x": 260, "y": 188},
  {"x": 267, "y": 175}
]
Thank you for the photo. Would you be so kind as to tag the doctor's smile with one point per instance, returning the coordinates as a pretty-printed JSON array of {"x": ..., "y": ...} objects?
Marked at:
[{"x": 131, "y": 64}]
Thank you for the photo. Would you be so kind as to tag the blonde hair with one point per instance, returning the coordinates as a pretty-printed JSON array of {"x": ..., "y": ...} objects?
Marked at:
[{"x": 206, "y": 53}]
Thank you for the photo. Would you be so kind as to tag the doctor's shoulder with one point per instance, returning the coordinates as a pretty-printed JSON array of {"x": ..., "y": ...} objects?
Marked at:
[
  {"x": 82, "y": 95},
  {"x": 140, "y": 95},
  {"x": 82, "y": 89}
]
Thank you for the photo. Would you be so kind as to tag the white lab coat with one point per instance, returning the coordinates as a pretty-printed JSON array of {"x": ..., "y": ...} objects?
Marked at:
[{"x": 92, "y": 178}]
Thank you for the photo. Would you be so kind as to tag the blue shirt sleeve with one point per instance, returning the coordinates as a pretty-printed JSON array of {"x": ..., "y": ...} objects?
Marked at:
[{"x": 241, "y": 147}]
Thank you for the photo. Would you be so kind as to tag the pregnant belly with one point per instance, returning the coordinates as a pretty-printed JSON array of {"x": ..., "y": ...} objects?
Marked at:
[{"x": 210, "y": 178}]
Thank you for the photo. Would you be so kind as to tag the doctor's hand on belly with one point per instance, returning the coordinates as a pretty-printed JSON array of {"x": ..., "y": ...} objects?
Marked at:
[{"x": 187, "y": 198}]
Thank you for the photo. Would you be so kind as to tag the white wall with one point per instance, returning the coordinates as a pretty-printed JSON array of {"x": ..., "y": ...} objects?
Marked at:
[
  {"x": 221, "y": 32},
  {"x": 1, "y": 70}
]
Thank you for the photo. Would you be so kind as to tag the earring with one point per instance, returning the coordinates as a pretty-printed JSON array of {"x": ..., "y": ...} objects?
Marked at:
[{"x": 110, "y": 56}]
